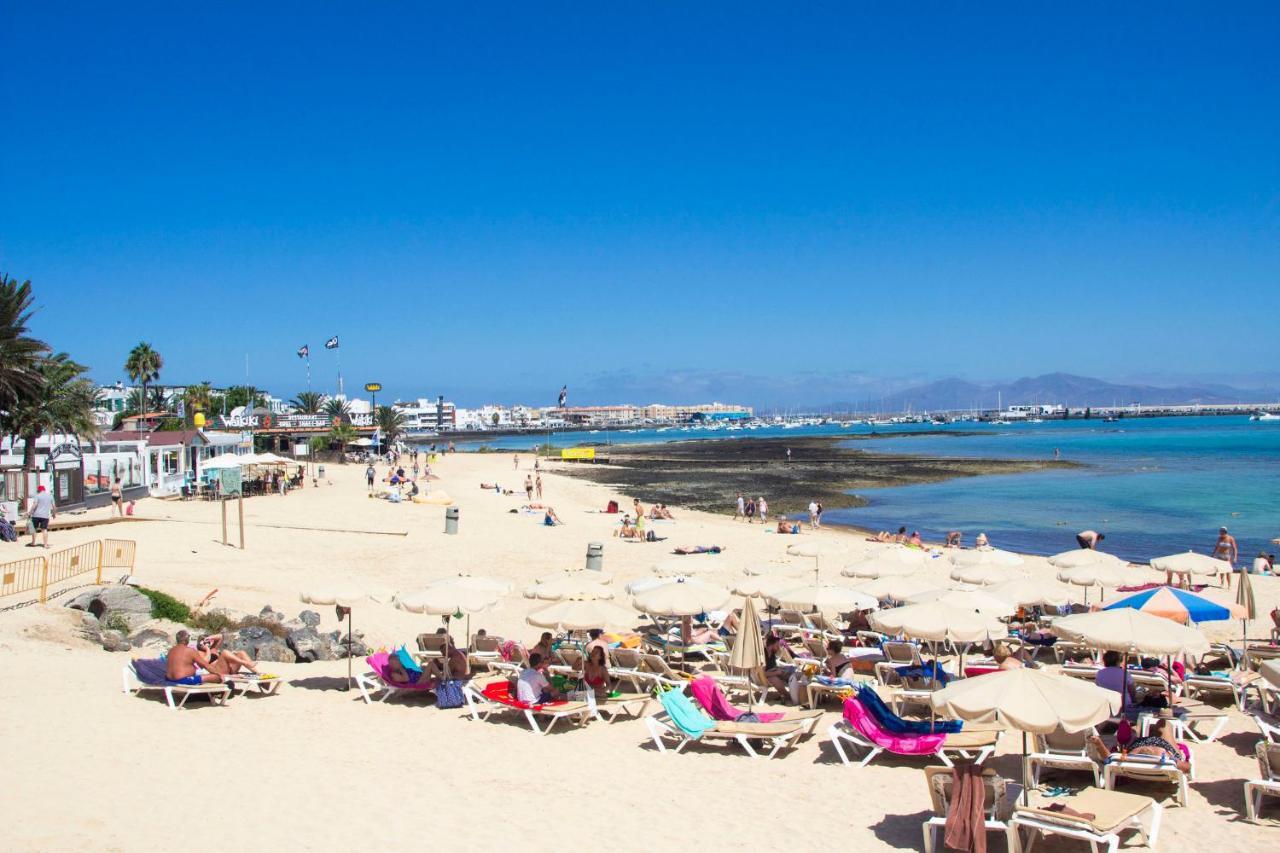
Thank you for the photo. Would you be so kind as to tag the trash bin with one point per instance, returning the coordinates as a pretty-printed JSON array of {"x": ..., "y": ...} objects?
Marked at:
[
  {"x": 595, "y": 557},
  {"x": 451, "y": 519}
]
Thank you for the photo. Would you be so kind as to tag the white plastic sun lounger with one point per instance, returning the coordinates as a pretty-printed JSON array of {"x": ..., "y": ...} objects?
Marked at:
[{"x": 175, "y": 694}]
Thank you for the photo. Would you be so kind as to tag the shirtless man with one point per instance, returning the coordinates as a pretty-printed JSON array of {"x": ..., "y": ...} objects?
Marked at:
[
  {"x": 456, "y": 663},
  {"x": 1089, "y": 539},
  {"x": 182, "y": 662}
]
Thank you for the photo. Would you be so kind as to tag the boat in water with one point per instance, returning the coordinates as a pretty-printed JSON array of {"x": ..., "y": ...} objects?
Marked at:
[{"x": 1265, "y": 417}]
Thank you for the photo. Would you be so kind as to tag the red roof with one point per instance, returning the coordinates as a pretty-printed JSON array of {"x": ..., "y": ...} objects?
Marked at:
[{"x": 162, "y": 438}]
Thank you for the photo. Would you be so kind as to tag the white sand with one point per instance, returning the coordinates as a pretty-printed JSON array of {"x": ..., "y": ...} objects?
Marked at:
[{"x": 83, "y": 766}]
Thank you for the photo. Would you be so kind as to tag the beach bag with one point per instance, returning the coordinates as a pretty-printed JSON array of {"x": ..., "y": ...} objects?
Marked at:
[
  {"x": 7, "y": 531},
  {"x": 797, "y": 686},
  {"x": 449, "y": 694}
]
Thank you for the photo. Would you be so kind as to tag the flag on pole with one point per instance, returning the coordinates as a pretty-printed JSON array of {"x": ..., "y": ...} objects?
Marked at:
[
  {"x": 564, "y": 395},
  {"x": 332, "y": 343},
  {"x": 304, "y": 351}
]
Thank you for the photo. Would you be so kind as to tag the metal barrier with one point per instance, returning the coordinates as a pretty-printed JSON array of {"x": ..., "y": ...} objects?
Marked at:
[
  {"x": 24, "y": 576},
  {"x": 118, "y": 554},
  {"x": 37, "y": 573}
]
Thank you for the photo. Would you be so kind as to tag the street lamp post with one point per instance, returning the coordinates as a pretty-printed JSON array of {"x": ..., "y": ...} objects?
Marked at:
[{"x": 373, "y": 388}]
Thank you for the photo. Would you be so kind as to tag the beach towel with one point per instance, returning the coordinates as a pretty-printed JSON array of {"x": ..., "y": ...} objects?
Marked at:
[
  {"x": 891, "y": 722},
  {"x": 713, "y": 701},
  {"x": 684, "y": 715},
  {"x": 965, "y": 829},
  {"x": 861, "y": 721},
  {"x": 151, "y": 670},
  {"x": 378, "y": 663}
]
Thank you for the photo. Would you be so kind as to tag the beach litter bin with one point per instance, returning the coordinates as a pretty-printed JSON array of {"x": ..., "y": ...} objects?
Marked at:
[
  {"x": 595, "y": 557},
  {"x": 451, "y": 519}
]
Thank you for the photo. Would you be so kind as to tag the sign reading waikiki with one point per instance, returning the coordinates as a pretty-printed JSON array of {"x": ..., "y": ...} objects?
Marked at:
[{"x": 318, "y": 421}]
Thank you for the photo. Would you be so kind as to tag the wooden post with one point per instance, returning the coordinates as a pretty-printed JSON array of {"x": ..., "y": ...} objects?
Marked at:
[
  {"x": 240, "y": 507},
  {"x": 223, "y": 502},
  {"x": 44, "y": 579},
  {"x": 98, "y": 579}
]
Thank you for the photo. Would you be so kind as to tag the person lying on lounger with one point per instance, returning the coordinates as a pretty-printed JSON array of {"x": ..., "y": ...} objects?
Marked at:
[
  {"x": 700, "y": 549},
  {"x": 1156, "y": 744},
  {"x": 184, "y": 662},
  {"x": 224, "y": 661}
]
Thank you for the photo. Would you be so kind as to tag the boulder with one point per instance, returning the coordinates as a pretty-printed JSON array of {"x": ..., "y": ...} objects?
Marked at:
[
  {"x": 338, "y": 642},
  {"x": 275, "y": 652},
  {"x": 261, "y": 644},
  {"x": 90, "y": 628},
  {"x": 151, "y": 638},
  {"x": 309, "y": 645},
  {"x": 310, "y": 618},
  {"x": 268, "y": 613},
  {"x": 115, "y": 641},
  {"x": 115, "y": 605}
]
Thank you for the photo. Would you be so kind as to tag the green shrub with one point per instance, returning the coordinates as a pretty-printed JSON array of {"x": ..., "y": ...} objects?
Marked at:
[
  {"x": 165, "y": 606},
  {"x": 117, "y": 622},
  {"x": 213, "y": 622}
]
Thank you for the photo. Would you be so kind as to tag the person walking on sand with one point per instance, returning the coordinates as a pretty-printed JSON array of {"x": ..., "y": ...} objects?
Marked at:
[
  {"x": 762, "y": 510},
  {"x": 813, "y": 515},
  {"x": 750, "y": 511},
  {"x": 537, "y": 486},
  {"x": 117, "y": 498},
  {"x": 528, "y": 487},
  {"x": 370, "y": 475},
  {"x": 515, "y": 460},
  {"x": 741, "y": 511},
  {"x": 1225, "y": 549},
  {"x": 788, "y": 454},
  {"x": 42, "y": 512}
]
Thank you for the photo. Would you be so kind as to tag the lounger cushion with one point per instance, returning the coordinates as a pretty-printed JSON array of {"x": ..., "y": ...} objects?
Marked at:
[
  {"x": 1111, "y": 809},
  {"x": 151, "y": 670}
]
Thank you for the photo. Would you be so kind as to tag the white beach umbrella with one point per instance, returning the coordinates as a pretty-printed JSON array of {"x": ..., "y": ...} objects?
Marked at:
[
  {"x": 681, "y": 597},
  {"x": 762, "y": 587},
  {"x": 1083, "y": 557},
  {"x": 937, "y": 622},
  {"x": 887, "y": 562},
  {"x": 576, "y": 572},
  {"x": 270, "y": 459},
  {"x": 1103, "y": 574},
  {"x": 1030, "y": 700},
  {"x": 569, "y": 587},
  {"x": 345, "y": 597},
  {"x": 983, "y": 575},
  {"x": 686, "y": 566},
  {"x": 826, "y": 598},
  {"x": 1191, "y": 563},
  {"x": 1131, "y": 632},
  {"x": 974, "y": 601},
  {"x": 897, "y": 587},
  {"x": 448, "y": 598},
  {"x": 217, "y": 463},
  {"x": 1032, "y": 592},
  {"x": 467, "y": 580},
  {"x": 642, "y": 584},
  {"x": 986, "y": 557},
  {"x": 580, "y": 614},
  {"x": 816, "y": 549}
]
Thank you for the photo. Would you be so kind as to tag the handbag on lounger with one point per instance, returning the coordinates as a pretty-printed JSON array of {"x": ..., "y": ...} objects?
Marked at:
[{"x": 449, "y": 694}]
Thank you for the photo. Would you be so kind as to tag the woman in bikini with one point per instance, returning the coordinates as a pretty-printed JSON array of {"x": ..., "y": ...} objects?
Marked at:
[
  {"x": 225, "y": 661},
  {"x": 595, "y": 671}
]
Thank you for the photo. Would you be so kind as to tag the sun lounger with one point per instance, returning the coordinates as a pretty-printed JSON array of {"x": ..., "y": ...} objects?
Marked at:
[
  {"x": 901, "y": 654},
  {"x": 1065, "y": 649},
  {"x": 627, "y": 665},
  {"x": 662, "y": 673},
  {"x": 248, "y": 682},
  {"x": 378, "y": 681},
  {"x": 484, "y": 650},
  {"x": 941, "y": 786},
  {"x": 904, "y": 692},
  {"x": 1268, "y": 782},
  {"x": 1199, "y": 722},
  {"x": 708, "y": 694},
  {"x": 680, "y": 721},
  {"x": 1084, "y": 672},
  {"x": 143, "y": 675},
  {"x": 570, "y": 665},
  {"x": 1060, "y": 750},
  {"x": 1268, "y": 725},
  {"x": 1202, "y": 686},
  {"x": 1150, "y": 768},
  {"x": 495, "y": 696},
  {"x": 860, "y": 729},
  {"x": 1113, "y": 812}
]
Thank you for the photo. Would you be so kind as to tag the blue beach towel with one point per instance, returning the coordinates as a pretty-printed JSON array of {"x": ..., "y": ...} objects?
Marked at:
[
  {"x": 927, "y": 669},
  {"x": 891, "y": 722},
  {"x": 682, "y": 712}
]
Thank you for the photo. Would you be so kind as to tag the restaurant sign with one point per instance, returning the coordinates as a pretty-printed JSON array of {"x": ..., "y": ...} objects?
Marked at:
[{"x": 265, "y": 421}]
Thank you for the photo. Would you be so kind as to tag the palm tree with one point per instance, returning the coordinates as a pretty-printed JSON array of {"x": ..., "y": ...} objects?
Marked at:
[
  {"x": 143, "y": 366},
  {"x": 19, "y": 352},
  {"x": 336, "y": 408},
  {"x": 308, "y": 402},
  {"x": 242, "y": 395},
  {"x": 62, "y": 403},
  {"x": 342, "y": 434},
  {"x": 197, "y": 398},
  {"x": 390, "y": 423}
]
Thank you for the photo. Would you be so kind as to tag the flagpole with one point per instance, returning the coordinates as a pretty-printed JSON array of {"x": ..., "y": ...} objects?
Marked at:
[
  {"x": 308, "y": 372},
  {"x": 340, "y": 392}
]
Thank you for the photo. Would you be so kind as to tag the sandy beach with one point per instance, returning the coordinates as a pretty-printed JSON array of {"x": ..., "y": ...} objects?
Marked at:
[{"x": 87, "y": 767}]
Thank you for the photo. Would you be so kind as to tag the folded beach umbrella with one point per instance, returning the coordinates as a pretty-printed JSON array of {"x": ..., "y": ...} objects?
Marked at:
[
  {"x": 1030, "y": 700},
  {"x": 569, "y": 587},
  {"x": 580, "y": 614},
  {"x": 983, "y": 575},
  {"x": 897, "y": 587},
  {"x": 747, "y": 653},
  {"x": 974, "y": 601},
  {"x": 1032, "y": 592},
  {"x": 938, "y": 622},
  {"x": 681, "y": 597},
  {"x": 1180, "y": 605},
  {"x": 344, "y": 597},
  {"x": 686, "y": 566},
  {"x": 1248, "y": 610},
  {"x": 826, "y": 598},
  {"x": 1083, "y": 557},
  {"x": 1131, "y": 632},
  {"x": 1190, "y": 562},
  {"x": 986, "y": 557},
  {"x": 763, "y": 569}
]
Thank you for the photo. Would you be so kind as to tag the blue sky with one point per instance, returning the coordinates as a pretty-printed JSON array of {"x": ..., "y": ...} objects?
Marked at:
[{"x": 646, "y": 199}]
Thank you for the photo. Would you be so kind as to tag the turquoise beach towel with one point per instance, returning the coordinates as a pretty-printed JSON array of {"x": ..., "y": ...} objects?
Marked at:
[{"x": 682, "y": 712}]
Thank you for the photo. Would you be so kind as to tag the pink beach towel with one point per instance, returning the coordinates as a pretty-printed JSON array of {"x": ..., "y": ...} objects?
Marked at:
[
  {"x": 378, "y": 663},
  {"x": 712, "y": 700},
  {"x": 863, "y": 723}
]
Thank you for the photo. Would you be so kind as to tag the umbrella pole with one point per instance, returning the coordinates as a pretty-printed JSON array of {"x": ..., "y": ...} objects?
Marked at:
[
  {"x": 350, "y": 637},
  {"x": 1025, "y": 793},
  {"x": 1244, "y": 639}
]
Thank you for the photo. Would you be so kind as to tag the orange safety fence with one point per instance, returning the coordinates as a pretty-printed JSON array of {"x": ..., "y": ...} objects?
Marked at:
[{"x": 37, "y": 573}]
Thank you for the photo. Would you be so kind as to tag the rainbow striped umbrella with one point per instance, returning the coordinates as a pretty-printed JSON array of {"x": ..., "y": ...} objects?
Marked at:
[{"x": 1179, "y": 605}]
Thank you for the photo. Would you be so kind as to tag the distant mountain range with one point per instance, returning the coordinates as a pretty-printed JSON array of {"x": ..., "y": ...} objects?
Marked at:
[{"x": 1063, "y": 388}]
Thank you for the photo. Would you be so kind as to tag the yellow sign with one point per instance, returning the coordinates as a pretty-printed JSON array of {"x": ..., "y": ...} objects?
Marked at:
[{"x": 578, "y": 453}]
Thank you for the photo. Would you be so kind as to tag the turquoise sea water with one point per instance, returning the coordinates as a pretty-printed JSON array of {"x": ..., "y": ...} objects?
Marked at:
[{"x": 1152, "y": 485}]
